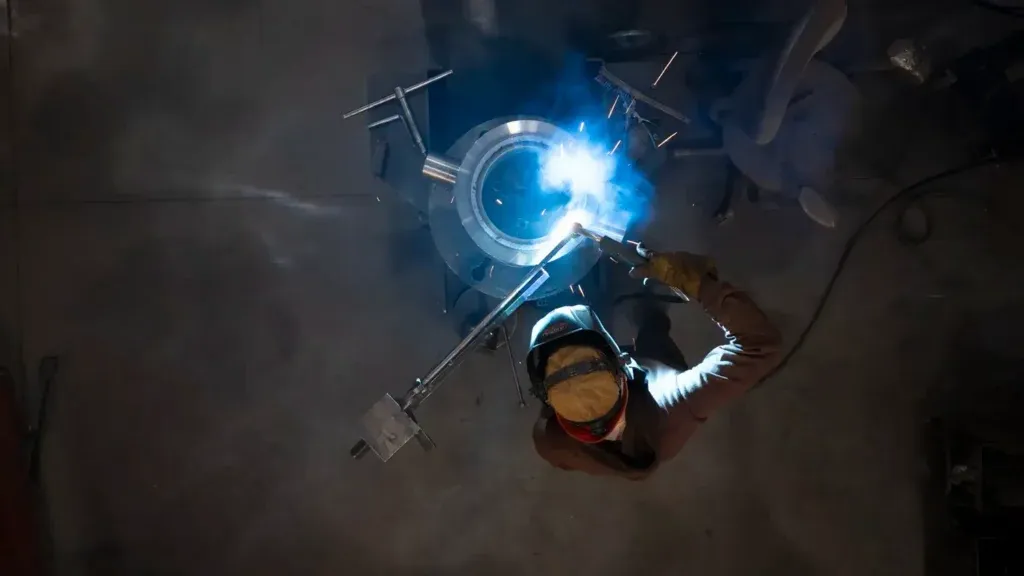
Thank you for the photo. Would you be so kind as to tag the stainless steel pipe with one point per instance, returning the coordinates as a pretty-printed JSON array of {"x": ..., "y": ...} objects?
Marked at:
[{"x": 440, "y": 169}]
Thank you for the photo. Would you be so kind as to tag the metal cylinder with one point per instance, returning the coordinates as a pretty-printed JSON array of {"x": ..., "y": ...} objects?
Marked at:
[
  {"x": 440, "y": 169},
  {"x": 410, "y": 120}
]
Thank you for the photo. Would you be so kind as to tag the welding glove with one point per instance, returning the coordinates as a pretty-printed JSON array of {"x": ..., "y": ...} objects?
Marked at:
[{"x": 678, "y": 269}]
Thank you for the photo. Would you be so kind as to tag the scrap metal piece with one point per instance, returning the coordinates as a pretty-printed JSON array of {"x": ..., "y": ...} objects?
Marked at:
[
  {"x": 387, "y": 428},
  {"x": 608, "y": 79}
]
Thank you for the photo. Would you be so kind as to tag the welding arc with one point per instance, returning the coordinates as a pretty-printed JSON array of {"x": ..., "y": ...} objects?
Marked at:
[{"x": 911, "y": 194}]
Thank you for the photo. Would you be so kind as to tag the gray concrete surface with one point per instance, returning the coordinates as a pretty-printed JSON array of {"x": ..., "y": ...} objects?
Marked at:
[{"x": 200, "y": 241}]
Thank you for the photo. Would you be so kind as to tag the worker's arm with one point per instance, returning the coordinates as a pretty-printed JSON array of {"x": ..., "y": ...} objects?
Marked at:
[{"x": 751, "y": 350}]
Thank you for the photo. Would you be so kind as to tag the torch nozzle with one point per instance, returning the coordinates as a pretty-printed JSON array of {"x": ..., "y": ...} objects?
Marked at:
[
  {"x": 581, "y": 231},
  {"x": 630, "y": 254}
]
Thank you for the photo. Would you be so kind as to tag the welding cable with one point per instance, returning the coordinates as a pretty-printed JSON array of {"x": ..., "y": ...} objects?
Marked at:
[{"x": 911, "y": 195}]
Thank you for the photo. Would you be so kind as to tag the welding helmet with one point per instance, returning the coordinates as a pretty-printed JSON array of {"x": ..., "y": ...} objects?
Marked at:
[{"x": 577, "y": 326}]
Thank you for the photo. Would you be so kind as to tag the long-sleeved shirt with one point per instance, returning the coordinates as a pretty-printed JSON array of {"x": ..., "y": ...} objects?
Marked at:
[{"x": 665, "y": 405}]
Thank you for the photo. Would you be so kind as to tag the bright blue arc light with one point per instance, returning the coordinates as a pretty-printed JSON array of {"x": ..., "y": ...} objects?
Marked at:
[
  {"x": 515, "y": 199},
  {"x": 588, "y": 173}
]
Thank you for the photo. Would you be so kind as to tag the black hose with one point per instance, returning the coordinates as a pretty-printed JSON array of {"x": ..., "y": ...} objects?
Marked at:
[{"x": 912, "y": 194}]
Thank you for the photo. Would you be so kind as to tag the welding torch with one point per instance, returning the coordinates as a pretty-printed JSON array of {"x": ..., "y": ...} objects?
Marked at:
[{"x": 627, "y": 253}]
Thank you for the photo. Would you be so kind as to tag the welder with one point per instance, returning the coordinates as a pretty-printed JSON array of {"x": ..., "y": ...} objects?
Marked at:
[{"x": 609, "y": 411}]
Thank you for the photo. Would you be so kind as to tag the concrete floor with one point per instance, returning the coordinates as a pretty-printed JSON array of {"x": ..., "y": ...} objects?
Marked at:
[{"x": 196, "y": 234}]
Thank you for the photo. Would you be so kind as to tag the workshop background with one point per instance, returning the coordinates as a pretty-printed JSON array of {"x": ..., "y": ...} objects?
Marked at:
[{"x": 197, "y": 259}]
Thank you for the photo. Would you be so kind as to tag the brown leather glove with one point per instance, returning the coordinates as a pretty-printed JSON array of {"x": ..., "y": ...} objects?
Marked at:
[{"x": 678, "y": 269}]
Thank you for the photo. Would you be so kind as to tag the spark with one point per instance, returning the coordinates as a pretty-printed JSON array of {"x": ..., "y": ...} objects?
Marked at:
[
  {"x": 498, "y": 200},
  {"x": 572, "y": 289},
  {"x": 669, "y": 137},
  {"x": 580, "y": 286},
  {"x": 630, "y": 108},
  {"x": 614, "y": 104},
  {"x": 614, "y": 148},
  {"x": 568, "y": 223},
  {"x": 665, "y": 69},
  {"x": 579, "y": 169},
  {"x": 601, "y": 193},
  {"x": 582, "y": 126}
]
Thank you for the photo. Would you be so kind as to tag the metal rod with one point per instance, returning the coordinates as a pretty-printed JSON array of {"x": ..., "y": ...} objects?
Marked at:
[
  {"x": 383, "y": 121},
  {"x": 440, "y": 169},
  {"x": 512, "y": 361},
  {"x": 391, "y": 97},
  {"x": 369, "y": 106},
  {"x": 633, "y": 92},
  {"x": 665, "y": 69},
  {"x": 410, "y": 121},
  {"x": 426, "y": 385},
  {"x": 429, "y": 81}
]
